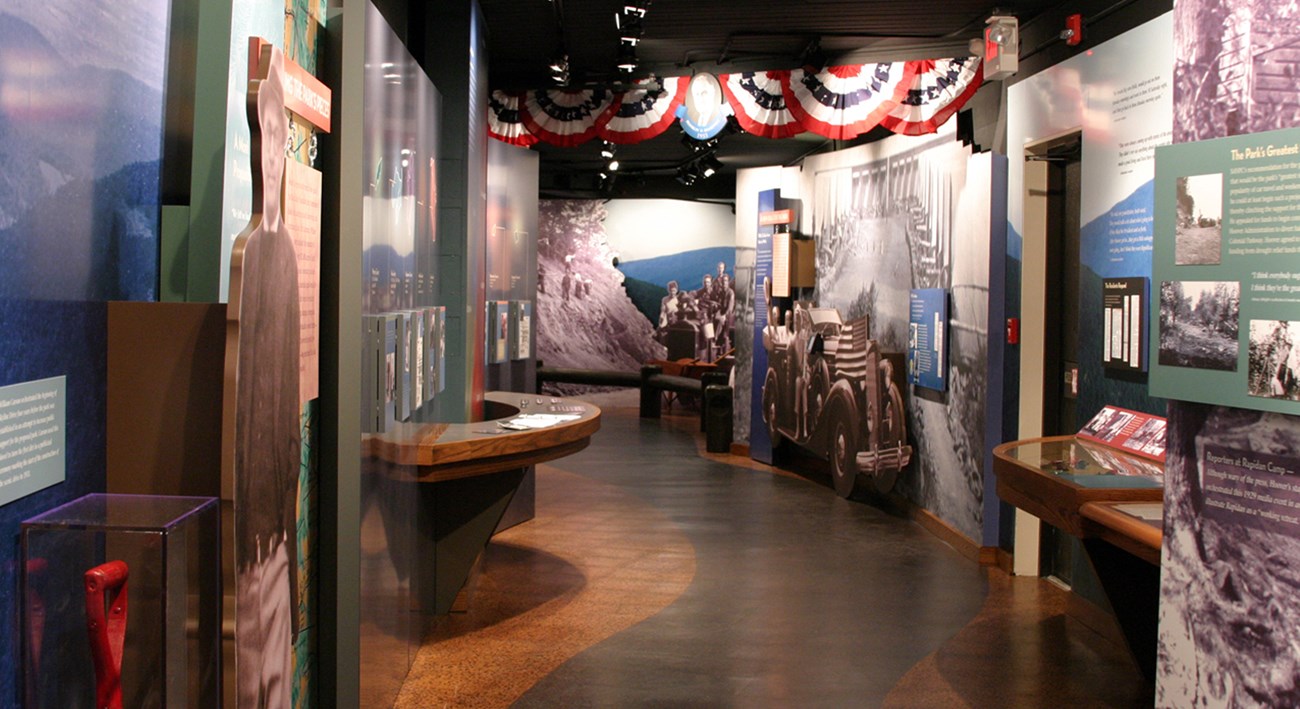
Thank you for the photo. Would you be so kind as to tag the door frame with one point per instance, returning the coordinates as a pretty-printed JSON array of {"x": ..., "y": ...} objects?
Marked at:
[{"x": 1037, "y": 223}]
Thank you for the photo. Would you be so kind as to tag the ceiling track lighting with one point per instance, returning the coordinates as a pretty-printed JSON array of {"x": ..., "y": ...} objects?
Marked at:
[
  {"x": 710, "y": 165},
  {"x": 699, "y": 167},
  {"x": 627, "y": 61},
  {"x": 607, "y": 150},
  {"x": 559, "y": 67}
]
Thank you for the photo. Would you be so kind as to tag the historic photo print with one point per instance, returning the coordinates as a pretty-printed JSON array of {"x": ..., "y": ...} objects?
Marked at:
[
  {"x": 1272, "y": 360},
  {"x": 1199, "y": 229},
  {"x": 1198, "y": 324}
]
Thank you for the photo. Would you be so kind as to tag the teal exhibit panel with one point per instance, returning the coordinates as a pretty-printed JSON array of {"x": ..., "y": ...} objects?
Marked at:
[
  {"x": 79, "y": 218},
  {"x": 1227, "y": 271},
  {"x": 1224, "y": 302}
]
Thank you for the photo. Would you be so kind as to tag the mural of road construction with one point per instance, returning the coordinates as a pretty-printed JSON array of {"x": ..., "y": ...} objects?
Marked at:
[
  {"x": 833, "y": 391},
  {"x": 903, "y": 214}
]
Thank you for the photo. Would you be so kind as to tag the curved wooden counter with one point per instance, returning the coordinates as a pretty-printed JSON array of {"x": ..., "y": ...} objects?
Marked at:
[
  {"x": 1078, "y": 487},
  {"x": 1127, "y": 525},
  {"x": 1052, "y": 477},
  {"x": 465, "y": 476},
  {"x": 442, "y": 451}
]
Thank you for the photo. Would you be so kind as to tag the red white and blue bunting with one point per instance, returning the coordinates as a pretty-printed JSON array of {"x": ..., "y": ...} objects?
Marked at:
[
  {"x": 939, "y": 89},
  {"x": 566, "y": 117},
  {"x": 843, "y": 102},
  {"x": 504, "y": 122},
  {"x": 839, "y": 103},
  {"x": 643, "y": 113},
  {"x": 758, "y": 101}
]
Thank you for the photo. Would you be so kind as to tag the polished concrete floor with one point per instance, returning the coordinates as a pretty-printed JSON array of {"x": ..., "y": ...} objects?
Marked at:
[{"x": 656, "y": 575}]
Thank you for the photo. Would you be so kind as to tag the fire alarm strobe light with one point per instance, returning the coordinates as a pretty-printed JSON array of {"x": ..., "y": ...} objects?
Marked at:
[
  {"x": 1073, "y": 32},
  {"x": 1001, "y": 47}
]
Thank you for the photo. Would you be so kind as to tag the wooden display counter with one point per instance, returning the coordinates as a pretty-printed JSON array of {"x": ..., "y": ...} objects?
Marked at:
[
  {"x": 1134, "y": 527},
  {"x": 1111, "y": 501},
  {"x": 446, "y": 451},
  {"x": 466, "y": 474},
  {"x": 1052, "y": 478}
]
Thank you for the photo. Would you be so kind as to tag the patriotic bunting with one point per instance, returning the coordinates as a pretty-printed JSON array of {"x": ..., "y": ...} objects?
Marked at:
[
  {"x": 643, "y": 113},
  {"x": 504, "y": 122},
  {"x": 758, "y": 101},
  {"x": 839, "y": 103},
  {"x": 939, "y": 89},
  {"x": 843, "y": 102},
  {"x": 566, "y": 117}
]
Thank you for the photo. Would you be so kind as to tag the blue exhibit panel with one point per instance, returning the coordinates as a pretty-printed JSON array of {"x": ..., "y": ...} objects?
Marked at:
[{"x": 927, "y": 356}]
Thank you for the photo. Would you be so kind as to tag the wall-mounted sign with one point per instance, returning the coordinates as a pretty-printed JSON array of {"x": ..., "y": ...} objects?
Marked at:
[
  {"x": 1124, "y": 333},
  {"x": 521, "y": 316},
  {"x": 498, "y": 330},
  {"x": 927, "y": 338},
  {"x": 1227, "y": 330},
  {"x": 781, "y": 264},
  {"x": 33, "y": 431}
]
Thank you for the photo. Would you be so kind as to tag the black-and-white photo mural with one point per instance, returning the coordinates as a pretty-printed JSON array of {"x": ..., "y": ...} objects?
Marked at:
[
  {"x": 584, "y": 318},
  {"x": 902, "y": 214},
  {"x": 1229, "y": 611},
  {"x": 1234, "y": 68}
]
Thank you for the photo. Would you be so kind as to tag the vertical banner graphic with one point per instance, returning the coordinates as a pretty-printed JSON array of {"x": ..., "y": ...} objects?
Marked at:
[{"x": 769, "y": 220}]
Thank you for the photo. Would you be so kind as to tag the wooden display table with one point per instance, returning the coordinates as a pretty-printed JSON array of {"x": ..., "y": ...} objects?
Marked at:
[
  {"x": 446, "y": 451},
  {"x": 1111, "y": 501},
  {"x": 1051, "y": 478},
  {"x": 467, "y": 474},
  {"x": 1134, "y": 527}
]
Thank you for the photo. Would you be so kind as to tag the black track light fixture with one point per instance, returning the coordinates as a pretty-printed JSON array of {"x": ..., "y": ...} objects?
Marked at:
[{"x": 627, "y": 61}]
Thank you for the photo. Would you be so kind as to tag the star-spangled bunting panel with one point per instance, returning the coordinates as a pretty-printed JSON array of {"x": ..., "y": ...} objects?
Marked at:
[
  {"x": 757, "y": 99},
  {"x": 504, "y": 122},
  {"x": 939, "y": 89},
  {"x": 839, "y": 103},
  {"x": 843, "y": 102},
  {"x": 643, "y": 113},
  {"x": 566, "y": 117}
]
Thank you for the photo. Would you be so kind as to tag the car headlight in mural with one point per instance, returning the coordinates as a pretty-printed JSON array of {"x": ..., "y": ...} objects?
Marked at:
[{"x": 832, "y": 390}]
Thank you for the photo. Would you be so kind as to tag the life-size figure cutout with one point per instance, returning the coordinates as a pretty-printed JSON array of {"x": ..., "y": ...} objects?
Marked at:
[{"x": 263, "y": 329}]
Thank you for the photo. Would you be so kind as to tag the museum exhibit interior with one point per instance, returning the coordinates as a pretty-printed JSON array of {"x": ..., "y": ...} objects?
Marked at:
[{"x": 538, "y": 353}]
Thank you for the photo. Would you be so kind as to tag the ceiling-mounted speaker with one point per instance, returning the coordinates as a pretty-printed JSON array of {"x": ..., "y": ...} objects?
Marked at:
[{"x": 1001, "y": 47}]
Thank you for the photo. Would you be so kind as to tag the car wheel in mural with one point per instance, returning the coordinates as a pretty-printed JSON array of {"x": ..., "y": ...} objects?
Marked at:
[
  {"x": 832, "y": 391},
  {"x": 844, "y": 446}
]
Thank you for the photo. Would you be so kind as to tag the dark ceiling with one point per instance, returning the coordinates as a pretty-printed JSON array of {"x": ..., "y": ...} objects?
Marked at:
[{"x": 681, "y": 37}]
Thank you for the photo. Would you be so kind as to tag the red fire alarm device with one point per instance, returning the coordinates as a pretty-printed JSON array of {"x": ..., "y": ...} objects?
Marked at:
[
  {"x": 1013, "y": 331},
  {"x": 1073, "y": 33}
]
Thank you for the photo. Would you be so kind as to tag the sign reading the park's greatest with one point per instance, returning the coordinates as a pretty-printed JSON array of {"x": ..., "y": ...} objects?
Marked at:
[{"x": 1227, "y": 271}]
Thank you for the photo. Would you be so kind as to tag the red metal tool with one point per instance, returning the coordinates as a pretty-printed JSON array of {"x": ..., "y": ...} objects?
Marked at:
[{"x": 106, "y": 622}]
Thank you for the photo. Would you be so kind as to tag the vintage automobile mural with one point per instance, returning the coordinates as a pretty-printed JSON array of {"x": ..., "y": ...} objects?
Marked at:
[{"x": 832, "y": 391}]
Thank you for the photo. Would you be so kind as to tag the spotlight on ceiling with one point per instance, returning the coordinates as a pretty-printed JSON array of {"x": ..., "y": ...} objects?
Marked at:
[
  {"x": 710, "y": 165},
  {"x": 560, "y": 67},
  {"x": 698, "y": 146},
  {"x": 607, "y": 150},
  {"x": 686, "y": 175},
  {"x": 627, "y": 58},
  {"x": 613, "y": 166}
]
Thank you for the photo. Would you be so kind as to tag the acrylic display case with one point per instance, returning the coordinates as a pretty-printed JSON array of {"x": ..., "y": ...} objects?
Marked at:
[{"x": 125, "y": 590}]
